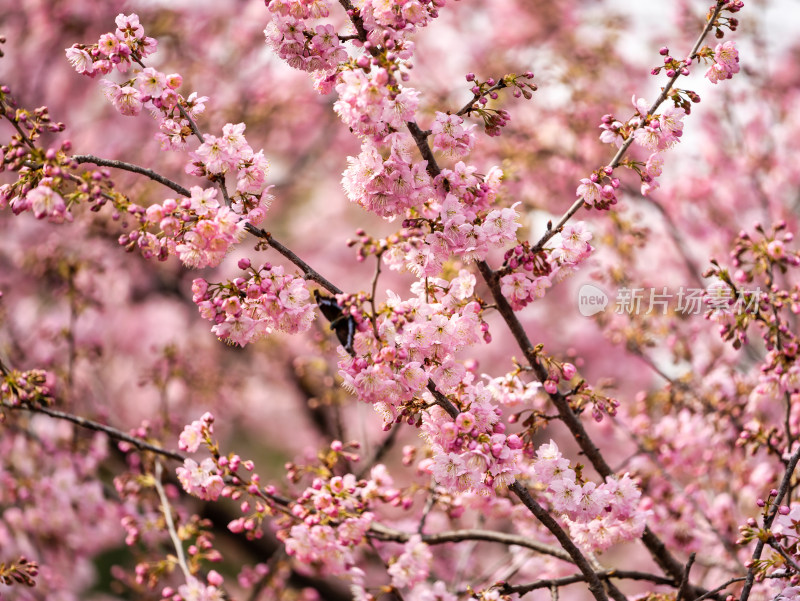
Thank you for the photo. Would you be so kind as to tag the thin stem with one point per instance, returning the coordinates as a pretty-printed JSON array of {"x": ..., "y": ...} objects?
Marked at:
[
  {"x": 165, "y": 507},
  {"x": 430, "y": 502},
  {"x": 192, "y": 124},
  {"x": 374, "y": 316},
  {"x": 468, "y": 107},
  {"x": 719, "y": 589},
  {"x": 683, "y": 590},
  {"x": 25, "y": 138},
  {"x": 384, "y": 447},
  {"x": 308, "y": 272},
  {"x": 780, "y": 550}
]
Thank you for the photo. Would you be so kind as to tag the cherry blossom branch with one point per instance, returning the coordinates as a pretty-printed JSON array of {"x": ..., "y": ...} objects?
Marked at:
[
  {"x": 381, "y": 532},
  {"x": 98, "y": 427},
  {"x": 657, "y": 548},
  {"x": 308, "y": 271},
  {"x": 549, "y": 522},
  {"x": 522, "y": 589},
  {"x": 122, "y": 165},
  {"x": 785, "y": 483},
  {"x": 615, "y": 162}
]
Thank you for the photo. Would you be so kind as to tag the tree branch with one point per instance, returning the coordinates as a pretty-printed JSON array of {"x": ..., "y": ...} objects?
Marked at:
[{"x": 98, "y": 427}]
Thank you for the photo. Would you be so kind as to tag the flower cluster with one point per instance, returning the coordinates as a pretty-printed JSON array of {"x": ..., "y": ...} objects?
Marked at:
[
  {"x": 542, "y": 269},
  {"x": 418, "y": 340},
  {"x": 471, "y": 453},
  {"x": 202, "y": 479},
  {"x": 598, "y": 515},
  {"x": 599, "y": 190},
  {"x": 196, "y": 229},
  {"x": 230, "y": 154},
  {"x": 412, "y": 565},
  {"x": 195, "y": 590},
  {"x": 117, "y": 49},
  {"x": 246, "y": 309},
  {"x": 370, "y": 104},
  {"x": 44, "y": 202},
  {"x": 198, "y": 432},
  {"x": 390, "y": 186},
  {"x": 454, "y": 227},
  {"x": 49, "y": 492},
  {"x": 148, "y": 89},
  {"x": 32, "y": 387},
  {"x": 655, "y": 133},
  {"x": 450, "y": 136},
  {"x": 726, "y": 62},
  {"x": 335, "y": 516},
  {"x": 296, "y": 42}
]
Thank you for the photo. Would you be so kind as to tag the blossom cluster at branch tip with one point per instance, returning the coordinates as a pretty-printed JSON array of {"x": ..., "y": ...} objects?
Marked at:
[
  {"x": 118, "y": 49},
  {"x": 598, "y": 515},
  {"x": 246, "y": 309},
  {"x": 531, "y": 274},
  {"x": 726, "y": 62}
]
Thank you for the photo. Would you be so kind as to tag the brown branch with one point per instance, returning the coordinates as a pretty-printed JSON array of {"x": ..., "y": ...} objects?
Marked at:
[
  {"x": 615, "y": 162},
  {"x": 658, "y": 550},
  {"x": 380, "y": 532},
  {"x": 787, "y": 478},
  {"x": 114, "y": 433},
  {"x": 606, "y": 575},
  {"x": 122, "y": 165},
  {"x": 593, "y": 581}
]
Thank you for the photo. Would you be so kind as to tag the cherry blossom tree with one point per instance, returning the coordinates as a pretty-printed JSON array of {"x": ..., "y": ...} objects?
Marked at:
[{"x": 475, "y": 332}]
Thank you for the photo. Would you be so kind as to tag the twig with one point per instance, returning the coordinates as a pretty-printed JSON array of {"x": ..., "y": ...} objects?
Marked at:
[
  {"x": 719, "y": 589},
  {"x": 165, "y": 507},
  {"x": 156, "y": 177},
  {"x": 550, "y": 583},
  {"x": 98, "y": 427},
  {"x": 381, "y": 532},
  {"x": 475, "y": 97},
  {"x": 380, "y": 452},
  {"x": 430, "y": 502},
  {"x": 595, "y": 586},
  {"x": 374, "y": 316},
  {"x": 683, "y": 589},
  {"x": 442, "y": 400},
  {"x": 780, "y": 550},
  {"x": 787, "y": 477}
]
